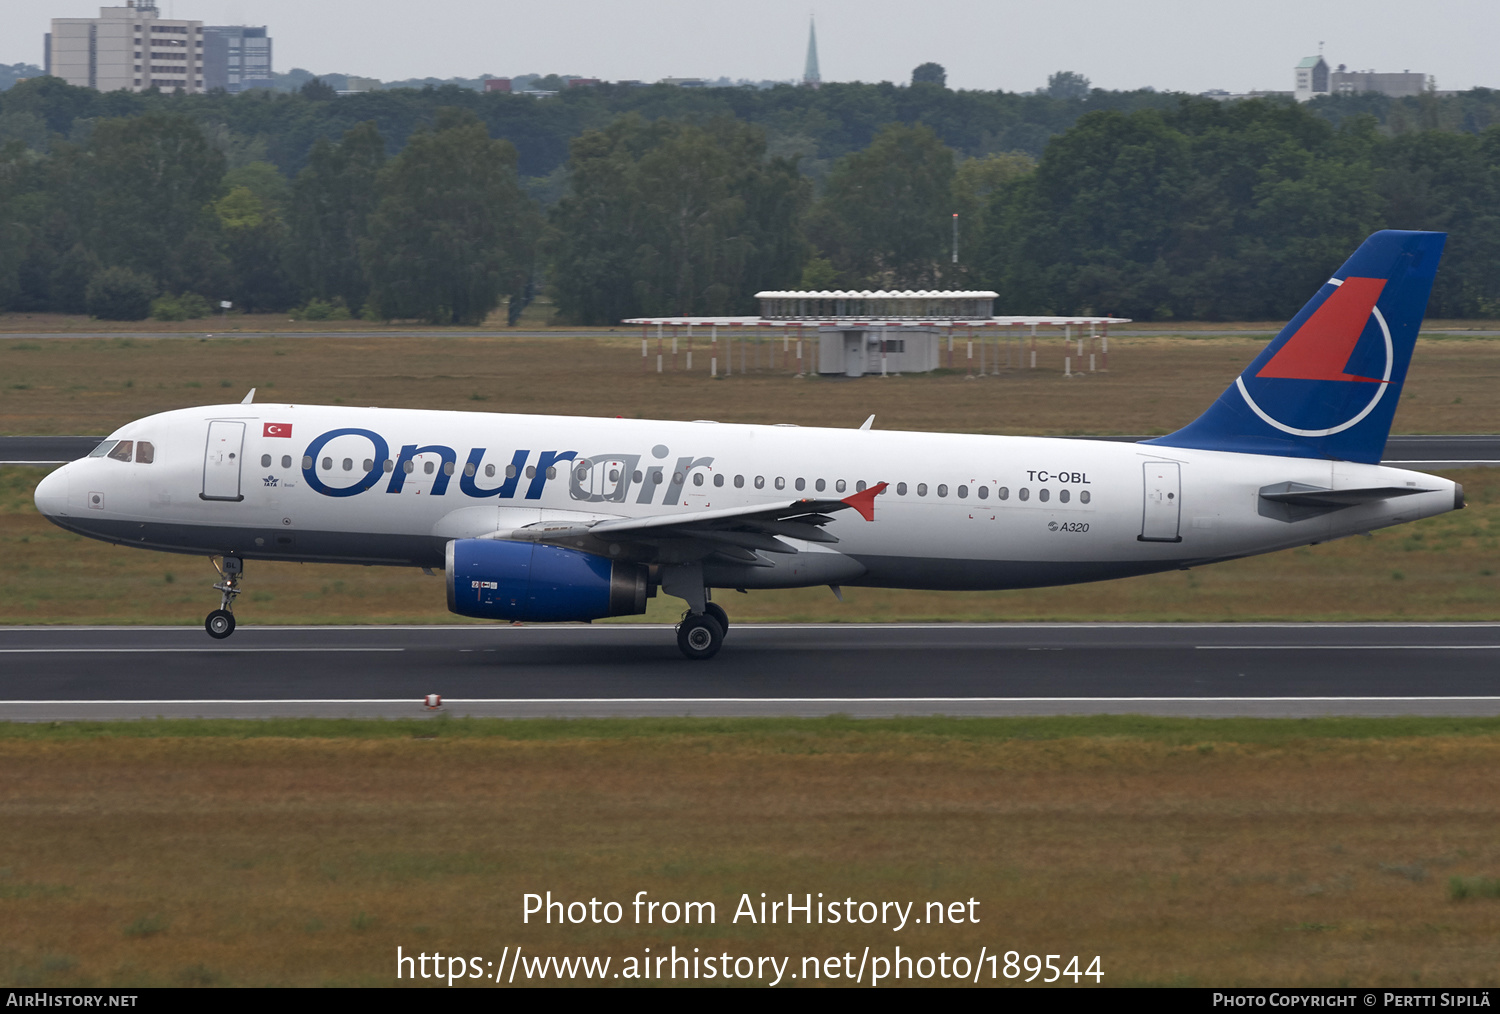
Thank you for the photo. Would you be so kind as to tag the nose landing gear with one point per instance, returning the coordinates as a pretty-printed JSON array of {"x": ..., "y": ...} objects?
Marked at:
[{"x": 220, "y": 622}]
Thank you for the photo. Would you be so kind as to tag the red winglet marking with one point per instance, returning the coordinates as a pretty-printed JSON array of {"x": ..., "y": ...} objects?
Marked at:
[
  {"x": 865, "y": 502},
  {"x": 1321, "y": 348}
]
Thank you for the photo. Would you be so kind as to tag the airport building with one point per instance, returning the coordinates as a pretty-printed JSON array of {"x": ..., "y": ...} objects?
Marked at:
[
  {"x": 131, "y": 48},
  {"x": 854, "y": 334}
]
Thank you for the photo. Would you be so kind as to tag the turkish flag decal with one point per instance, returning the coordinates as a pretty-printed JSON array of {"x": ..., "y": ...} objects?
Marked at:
[{"x": 278, "y": 429}]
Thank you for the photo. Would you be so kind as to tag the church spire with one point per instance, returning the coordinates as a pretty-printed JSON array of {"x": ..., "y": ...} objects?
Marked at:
[{"x": 810, "y": 76}]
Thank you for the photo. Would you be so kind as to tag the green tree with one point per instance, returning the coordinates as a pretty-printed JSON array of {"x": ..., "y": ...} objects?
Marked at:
[
  {"x": 453, "y": 233},
  {"x": 669, "y": 218},
  {"x": 150, "y": 181},
  {"x": 1065, "y": 84},
  {"x": 331, "y": 203},
  {"x": 885, "y": 218},
  {"x": 930, "y": 73},
  {"x": 120, "y": 294}
]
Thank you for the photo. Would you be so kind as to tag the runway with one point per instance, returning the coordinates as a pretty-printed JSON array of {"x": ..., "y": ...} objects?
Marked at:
[
  {"x": 1209, "y": 670},
  {"x": 1419, "y": 452}
]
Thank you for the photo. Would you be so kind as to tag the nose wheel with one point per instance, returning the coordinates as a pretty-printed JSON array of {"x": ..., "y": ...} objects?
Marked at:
[{"x": 220, "y": 622}]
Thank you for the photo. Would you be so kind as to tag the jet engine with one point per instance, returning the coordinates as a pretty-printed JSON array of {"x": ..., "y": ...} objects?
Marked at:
[{"x": 499, "y": 580}]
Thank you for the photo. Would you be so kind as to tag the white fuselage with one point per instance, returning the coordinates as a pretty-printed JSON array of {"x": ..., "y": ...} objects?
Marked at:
[{"x": 961, "y": 511}]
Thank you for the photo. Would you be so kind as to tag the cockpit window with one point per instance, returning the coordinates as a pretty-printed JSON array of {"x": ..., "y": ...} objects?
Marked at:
[
  {"x": 145, "y": 452},
  {"x": 102, "y": 449},
  {"x": 122, "y": 450}
]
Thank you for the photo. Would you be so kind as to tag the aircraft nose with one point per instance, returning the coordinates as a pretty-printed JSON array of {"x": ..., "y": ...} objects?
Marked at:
[{"x": 52, "y": 493}]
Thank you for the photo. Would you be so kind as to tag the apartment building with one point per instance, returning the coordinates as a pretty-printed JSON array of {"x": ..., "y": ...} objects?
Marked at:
[{"x": 131, "y": 48}]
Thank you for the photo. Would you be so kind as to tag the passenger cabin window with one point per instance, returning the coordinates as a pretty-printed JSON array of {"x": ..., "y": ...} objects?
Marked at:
[
  {"x": 348, "y": 464},
  {"x": 1083, "y": 497},
  {"x": 265, "y": 461},
  {"x": 984, "y": 492},
  {"x": 1003, "y": 493},
  {"x": 942, "y": 489},
  {"x": 489, "y": 471},
  {"x": 921, "y": 489},
  {"x": 697, "y": 478},
  {"x": 145, "y": 452},
  {"x": 1024, "y": 494},
  {"x": 1062, "y": 495},
  {"x": 510, "y": 473},
  {"x": 820, "y": 485},
  {"x": 469, "y": 469},
  {"x": 427, "y": 467},
  {"x": 780, "y": 482},
  {"x": 760, "y": 482},
  {"x": 900, "y": 489},
  {"x": 447, "y": 468},
  {"x": 286, "y": 461},
  {"x": 1043, "y": 495},
  {"x": 801, "y": 484},
  {"x": 859, "y": 487},
  {"x": 369, "y": 464},
  {"x": 328, "y": 465},
  {"x": 122, "y": 450},
  {"x": 739, "y": 482},
  {"x": 839, "y": 486},
  {"x": 963, "y": 492},
  {"x": 307, "y": 461},
  {"x": 719, "y": 479}
]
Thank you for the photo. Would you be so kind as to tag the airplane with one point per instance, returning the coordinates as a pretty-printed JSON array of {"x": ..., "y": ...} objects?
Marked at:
[{"x": 549, "y": 518}]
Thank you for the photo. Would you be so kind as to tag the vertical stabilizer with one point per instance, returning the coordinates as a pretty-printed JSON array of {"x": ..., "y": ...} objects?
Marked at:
[{"x": 1327, "y": 385}]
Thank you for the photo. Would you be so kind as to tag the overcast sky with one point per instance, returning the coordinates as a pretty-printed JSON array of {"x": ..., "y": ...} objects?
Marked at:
[{"x": 1171, "y": 45}]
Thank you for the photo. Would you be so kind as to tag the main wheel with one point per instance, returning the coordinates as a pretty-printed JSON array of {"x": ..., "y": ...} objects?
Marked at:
[
  {"x": 700, "y": 636},
  {"x": 220, "y": 624},
  {"x": 717, "y": 612}
]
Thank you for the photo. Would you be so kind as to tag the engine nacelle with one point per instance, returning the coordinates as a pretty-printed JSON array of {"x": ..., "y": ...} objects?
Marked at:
[{"x": 499, "y": 580}]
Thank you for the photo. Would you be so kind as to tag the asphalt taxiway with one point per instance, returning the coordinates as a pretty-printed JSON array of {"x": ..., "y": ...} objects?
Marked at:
[{"x": 1269, "y": 670}]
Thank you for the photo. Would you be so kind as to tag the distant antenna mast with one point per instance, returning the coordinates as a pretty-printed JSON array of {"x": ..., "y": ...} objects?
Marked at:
[{"x": 955, "y": 237}]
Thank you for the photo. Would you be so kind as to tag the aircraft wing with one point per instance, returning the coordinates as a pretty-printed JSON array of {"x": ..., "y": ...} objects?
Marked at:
[{"x": 736, "y": 533}]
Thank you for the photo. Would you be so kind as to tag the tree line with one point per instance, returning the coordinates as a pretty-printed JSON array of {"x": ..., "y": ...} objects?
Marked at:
[{"x": 1191, "y": 209}]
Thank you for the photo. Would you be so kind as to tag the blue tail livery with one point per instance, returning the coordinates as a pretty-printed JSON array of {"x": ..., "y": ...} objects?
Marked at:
[{"x": 1327, "y": 385}]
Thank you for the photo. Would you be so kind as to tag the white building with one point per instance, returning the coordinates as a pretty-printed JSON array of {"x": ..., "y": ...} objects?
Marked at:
[
  {"x": 882, "y": 332},
  {"x": 131, "y": 48},
  {"x": 1313, "y": 78}
]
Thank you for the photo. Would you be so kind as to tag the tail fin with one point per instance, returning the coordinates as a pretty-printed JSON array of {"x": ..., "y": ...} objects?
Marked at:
[{"x": 1327, "y": 385}]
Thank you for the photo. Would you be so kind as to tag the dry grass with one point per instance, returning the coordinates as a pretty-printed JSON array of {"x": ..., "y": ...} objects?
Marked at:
[
  {"x": 307, "y": 861},
  {"x": 1155, "y": 384}
]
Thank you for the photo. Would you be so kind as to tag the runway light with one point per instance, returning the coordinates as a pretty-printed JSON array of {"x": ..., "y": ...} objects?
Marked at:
[{"x": 434, "y": 701}]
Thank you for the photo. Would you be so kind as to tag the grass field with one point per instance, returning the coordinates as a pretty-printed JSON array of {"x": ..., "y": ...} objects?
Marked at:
[
  {"x": 1154, "y": 385},
  {"x": 1182, "y": 853}
]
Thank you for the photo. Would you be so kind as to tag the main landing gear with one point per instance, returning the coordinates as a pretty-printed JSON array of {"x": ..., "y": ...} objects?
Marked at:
[
  {"x": 220, "y": 622},
  {"x": 701, "y": 635}
]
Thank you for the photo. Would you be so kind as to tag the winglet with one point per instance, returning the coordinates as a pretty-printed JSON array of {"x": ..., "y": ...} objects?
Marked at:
[
  {"x": 249, "y": 397},
  {"x": 868, "y": 422},
  {"x": 865, "y": 502}
]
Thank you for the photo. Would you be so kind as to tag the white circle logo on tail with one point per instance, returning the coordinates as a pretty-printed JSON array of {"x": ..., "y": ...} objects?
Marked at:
[{"x": 1321, "y": 347}]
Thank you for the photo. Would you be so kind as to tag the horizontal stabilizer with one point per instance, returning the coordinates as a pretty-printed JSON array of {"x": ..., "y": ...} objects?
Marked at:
[{"x": 1297, "y": 501}]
